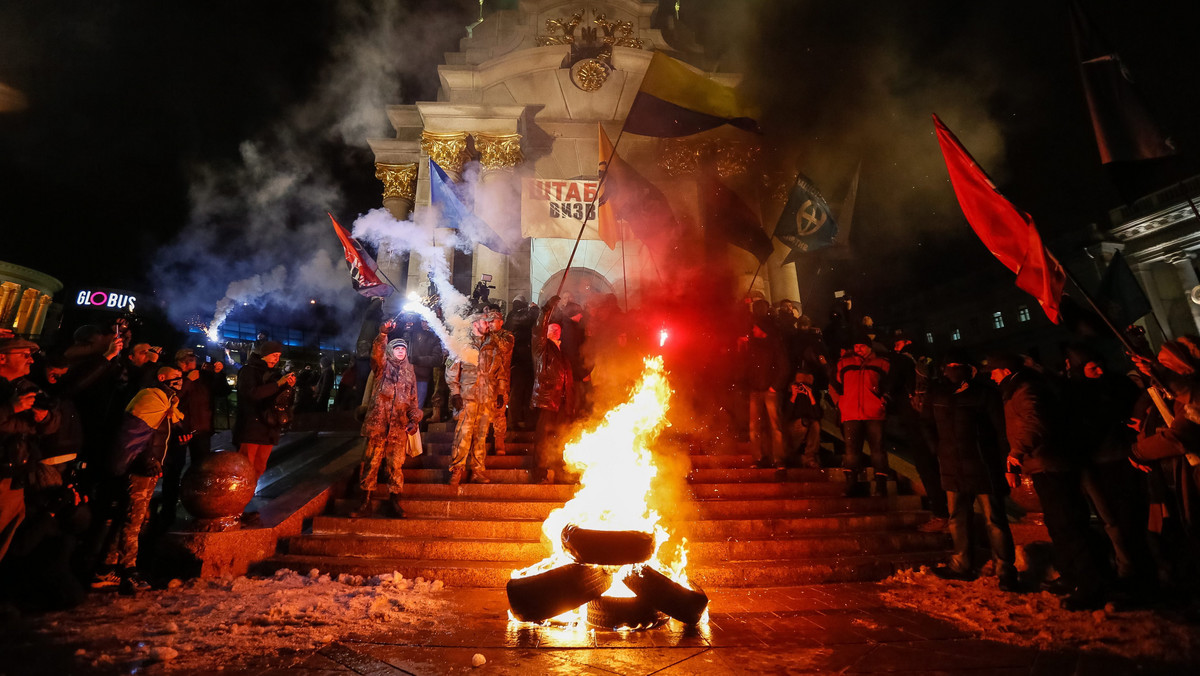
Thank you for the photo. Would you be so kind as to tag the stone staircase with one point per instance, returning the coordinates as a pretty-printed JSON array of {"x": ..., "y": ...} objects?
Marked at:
[{"x": 745, "y": 526}]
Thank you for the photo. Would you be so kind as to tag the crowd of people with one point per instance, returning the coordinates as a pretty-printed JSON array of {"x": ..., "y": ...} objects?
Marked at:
[{"x": 91, "y": 431}]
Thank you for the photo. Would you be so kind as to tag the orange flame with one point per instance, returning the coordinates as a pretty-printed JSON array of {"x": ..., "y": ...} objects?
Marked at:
[{"x": 617, "y": 479}]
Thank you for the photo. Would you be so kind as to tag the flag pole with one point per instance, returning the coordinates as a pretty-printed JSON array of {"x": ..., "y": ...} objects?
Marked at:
[
  {"x": 624, "y": 275},
  {"x": 588, "y": 212}
]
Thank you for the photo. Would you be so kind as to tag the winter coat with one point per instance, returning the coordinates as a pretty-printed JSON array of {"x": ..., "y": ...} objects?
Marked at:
[
  {"x": 257, "y": 389},
  {"x": 968, "y": 429},
  {"x": 553, "y": 382},
  {"x": 145, "y": 432},
  {"x": 424, "y": 351},
  {"x": 860, "y": 384},
  {"x": 1097, "y": 415},
  {"x": 19, "y": 435},
  {"x": 92, "y": 383},
  {"x": 196, "y": 400},
  {"x": 503, "y": 343},
  {"x": 1033, "y": 424},
  {"x": 393, "y": 404},
  {"x": 803, "y": 406},
  {"x": 765, "y": 364}
]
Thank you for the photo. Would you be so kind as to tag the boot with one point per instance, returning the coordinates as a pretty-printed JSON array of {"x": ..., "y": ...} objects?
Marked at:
[
  {"x": 367, "y": 508},
  {"x": 456, "y": 476},
  {"x": 855, "y": 487},
  {"x": 881, "y": 485},
  {"x": 548, "y": 478},
  {"x": 480, "y": 478},
  {"x": 394, "y": 502}
]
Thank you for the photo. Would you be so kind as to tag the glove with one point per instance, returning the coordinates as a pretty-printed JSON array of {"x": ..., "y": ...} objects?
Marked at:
[
  {"x": 411, "y": 429},
  {"x": 499, "y": 401},
  {"x": 456, "y": 401}
]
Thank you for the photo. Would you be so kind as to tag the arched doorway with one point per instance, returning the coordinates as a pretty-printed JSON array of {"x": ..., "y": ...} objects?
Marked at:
[{"x": 582, "y": 283}]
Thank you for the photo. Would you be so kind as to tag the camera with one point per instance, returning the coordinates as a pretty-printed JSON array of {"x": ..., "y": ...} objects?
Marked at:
[
  {"x": 482, "y": 289},
  {"x": 41, "y": 401}
]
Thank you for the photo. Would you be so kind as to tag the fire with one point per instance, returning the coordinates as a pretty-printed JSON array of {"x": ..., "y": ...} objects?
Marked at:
[{"x": 618, "y": 475}]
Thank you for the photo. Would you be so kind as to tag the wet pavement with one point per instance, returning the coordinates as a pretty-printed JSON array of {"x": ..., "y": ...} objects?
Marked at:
[{"x": 835, "y": 628}]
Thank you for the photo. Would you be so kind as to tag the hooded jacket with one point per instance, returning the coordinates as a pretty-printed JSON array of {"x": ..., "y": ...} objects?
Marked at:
[
  {"x": 394, "y": 403},
  {"x": 1032, "y": 423},
  {"x": 861, "y": 384}
]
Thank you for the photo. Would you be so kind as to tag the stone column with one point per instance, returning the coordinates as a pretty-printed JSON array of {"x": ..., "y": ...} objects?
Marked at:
[
  {"x": 8, "y": 300},
  {"x": 498, "y": 202},
  {"x": 1187, "y": 278},
  {"x": 448, "y": 149},
  {"x": 25, "y": 311},
  {"x": 399, "y": 187},
  {"x": 399, "y": 196},
  {"x": 39, "y": 315}
]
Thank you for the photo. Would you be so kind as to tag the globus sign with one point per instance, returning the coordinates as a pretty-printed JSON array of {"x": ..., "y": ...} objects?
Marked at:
[{"x": 107, "y": 299}]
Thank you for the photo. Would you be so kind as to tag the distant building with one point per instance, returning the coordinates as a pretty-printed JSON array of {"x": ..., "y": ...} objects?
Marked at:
[
  {"x": 1159, "y": 236},
  {"x": 27, "y": 300}
]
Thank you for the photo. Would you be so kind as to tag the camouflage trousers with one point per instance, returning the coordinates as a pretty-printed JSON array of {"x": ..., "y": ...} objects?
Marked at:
[
  {"x": 499, "y": 428},
  {"x": 470, "y": 436},
  {"x": 123, "y": 551},
  {"x": 378, "y": 450}
]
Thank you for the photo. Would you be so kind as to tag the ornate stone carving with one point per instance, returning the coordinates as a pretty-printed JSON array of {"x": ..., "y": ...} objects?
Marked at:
[
  {"x": 564, "y": 26},
  {"x": 399, "y": 180},
  {"x": 498, "y": 151},
  {"x": 448, "y": 149},
  {"x": 734, "y": 159},
  {"x": 617, "y": 33},
  {"x": 680, "y": 156},
  {"x": 590, "y": 74}
]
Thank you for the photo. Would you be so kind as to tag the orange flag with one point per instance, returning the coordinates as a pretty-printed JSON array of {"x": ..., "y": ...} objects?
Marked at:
[{"x": 606, "y": 222}]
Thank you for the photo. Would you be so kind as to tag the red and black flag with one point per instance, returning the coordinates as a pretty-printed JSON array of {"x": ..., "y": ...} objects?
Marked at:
[
  {"x": 362, "y": 267},
  {"x": 673, "y": 101},
  {"x": 1006, "y": 231}
]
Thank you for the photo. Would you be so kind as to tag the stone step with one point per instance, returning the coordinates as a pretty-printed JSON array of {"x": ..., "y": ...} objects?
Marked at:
[
  {"x": 699, "y": 552},
  {"x": 702, "y": 529},
  {"x": 511, "y": 491},
  {"x": 518, "y": 457},
  {"x": 747, "y": 573},
  {"x": 484, "y": 508},
  {"x": 502, "y": 474}
]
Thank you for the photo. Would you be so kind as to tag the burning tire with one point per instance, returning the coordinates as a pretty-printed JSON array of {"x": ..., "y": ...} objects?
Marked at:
[
  {"x": 543, "y": 596},
  {"x": 667, "y": 596},
  {"x": 613, "y": 612},
  {"x": 607, "y": 547}
]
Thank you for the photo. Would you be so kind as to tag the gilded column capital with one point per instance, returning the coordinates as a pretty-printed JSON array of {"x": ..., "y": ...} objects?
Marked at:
[
  {"x": 448, "y": 149},
  {"x": 498, "y": 151},
  {"x": 399, "y": 180}
]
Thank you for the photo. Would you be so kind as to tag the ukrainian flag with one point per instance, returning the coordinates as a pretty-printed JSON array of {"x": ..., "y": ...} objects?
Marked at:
[{"x": 676, "y": 101}]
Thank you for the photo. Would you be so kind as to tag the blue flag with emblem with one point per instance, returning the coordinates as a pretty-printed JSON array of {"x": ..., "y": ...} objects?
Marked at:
[
  {"x": 806, "y": 223},
  {"x": 456, "y": 214}
]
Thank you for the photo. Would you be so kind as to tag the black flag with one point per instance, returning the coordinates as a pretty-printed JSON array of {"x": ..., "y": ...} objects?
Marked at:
[{"x": 1120, "y": 295}]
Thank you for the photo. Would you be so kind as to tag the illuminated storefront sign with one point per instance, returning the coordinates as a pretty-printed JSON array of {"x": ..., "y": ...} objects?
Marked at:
[{"x": 107, "y": 299}]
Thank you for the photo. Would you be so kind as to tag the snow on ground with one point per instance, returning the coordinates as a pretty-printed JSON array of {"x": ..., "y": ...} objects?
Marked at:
[
  {"x": 1037, "y": 620},
  {"x": 214, "y": 625}
]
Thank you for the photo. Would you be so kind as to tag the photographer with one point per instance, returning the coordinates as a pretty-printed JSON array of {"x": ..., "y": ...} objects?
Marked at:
[
  {"x": 802, "y": 419},
  {"x": 24, "y": 417}
]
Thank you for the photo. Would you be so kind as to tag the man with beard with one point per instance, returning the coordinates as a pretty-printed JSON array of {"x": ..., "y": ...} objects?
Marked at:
[
  {"x": 392, "y": 418},
  {"x": 141, "y": 448},
  {"x": 478, "y": 391},
  {"x": 968, "y": 422}
]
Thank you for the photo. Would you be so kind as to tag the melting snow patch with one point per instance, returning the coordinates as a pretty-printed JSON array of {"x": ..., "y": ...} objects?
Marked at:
[
  {"x": 205, "y": 625},
  {"x": 1037, "y": 620}
]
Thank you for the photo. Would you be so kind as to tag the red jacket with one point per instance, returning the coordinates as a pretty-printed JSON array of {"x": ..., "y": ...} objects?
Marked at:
[{"x": 860, "y": 383}]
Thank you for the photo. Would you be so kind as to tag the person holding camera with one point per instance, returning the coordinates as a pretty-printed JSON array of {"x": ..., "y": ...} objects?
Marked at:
[
  {"x": 802, "y": 418},
  {"x": 24, "y": 417},
  {"x": 259, "y": 392},
  {"x": 147, "y": 426}
]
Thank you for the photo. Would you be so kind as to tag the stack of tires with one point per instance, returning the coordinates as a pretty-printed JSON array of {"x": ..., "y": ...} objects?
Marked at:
[{"x": 597, "y": 552}]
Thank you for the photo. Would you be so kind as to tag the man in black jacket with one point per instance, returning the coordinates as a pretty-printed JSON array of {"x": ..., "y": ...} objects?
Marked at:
[
  {"x": 1033, "y": 426},
  {"x": 257, "y": 426},
  {"x": 968, "y": 423},
  {"x": 766, "y": 370},
  {"x": 553, "y": 393}
]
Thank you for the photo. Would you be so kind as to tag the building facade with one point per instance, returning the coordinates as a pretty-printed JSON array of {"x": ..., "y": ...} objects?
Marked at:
[
  {"x": 519, "y": 104},
  {"x": 27, "y": 299}
]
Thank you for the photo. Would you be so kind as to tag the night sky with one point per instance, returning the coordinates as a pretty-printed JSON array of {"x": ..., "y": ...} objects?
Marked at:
[{"x": 131, "y": 103}]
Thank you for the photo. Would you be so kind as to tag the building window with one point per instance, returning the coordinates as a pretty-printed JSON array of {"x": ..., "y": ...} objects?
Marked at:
[
  {"x": 997, "y": 320},
  {"x": 929, "y": 338},
  {"x": 957, "y": 335},
  {"x": 1023, "y": 314}
]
